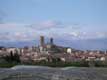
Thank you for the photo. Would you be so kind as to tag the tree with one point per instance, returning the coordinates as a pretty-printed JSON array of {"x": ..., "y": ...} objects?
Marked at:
[{"x": 12, "y": 57}]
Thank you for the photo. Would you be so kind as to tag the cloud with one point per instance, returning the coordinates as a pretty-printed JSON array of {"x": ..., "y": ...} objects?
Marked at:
[
  {"x": 17, "y": 36},
  {"x": 46, "y": 25},
  {"x": 85, "y": 35},
  {"x": 22, "y": 32},
  {"x": 15, "y": 32},
  {"x": 101, "y": 34},
  {"x": 4, "y": 36},
  {"x": 25, "y": 32}
]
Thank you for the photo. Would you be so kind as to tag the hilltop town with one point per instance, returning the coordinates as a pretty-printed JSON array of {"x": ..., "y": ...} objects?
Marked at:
[{"x": 53, "y": 53}]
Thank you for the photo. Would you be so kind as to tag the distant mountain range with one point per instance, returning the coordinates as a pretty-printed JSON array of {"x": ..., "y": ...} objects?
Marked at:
[{"x": 87, "y": 44}]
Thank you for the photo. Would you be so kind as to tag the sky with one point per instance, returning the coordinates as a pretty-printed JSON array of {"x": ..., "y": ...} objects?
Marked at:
[{"x": 26, "y": 20}]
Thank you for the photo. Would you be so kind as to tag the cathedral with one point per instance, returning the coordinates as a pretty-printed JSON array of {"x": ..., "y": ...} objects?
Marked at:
[{"x": 50, "y": 47}]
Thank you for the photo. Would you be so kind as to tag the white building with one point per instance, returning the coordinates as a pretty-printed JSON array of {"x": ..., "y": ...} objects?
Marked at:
[{"x": 69, "y": 50}]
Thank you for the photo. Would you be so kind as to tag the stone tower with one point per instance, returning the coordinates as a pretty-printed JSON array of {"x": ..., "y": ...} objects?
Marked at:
[
  {"x": 42, "y": 42},
  {"x": 51, "y": 41}
]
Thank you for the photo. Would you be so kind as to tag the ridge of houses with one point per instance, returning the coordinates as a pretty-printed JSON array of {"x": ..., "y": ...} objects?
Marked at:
[{"x": 51, "y": 51}]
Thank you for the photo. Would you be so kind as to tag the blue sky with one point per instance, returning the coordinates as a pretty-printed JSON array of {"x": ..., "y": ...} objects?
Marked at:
[
  {"x": 71, "y": 19},
  {"x": 70, "y": 11}
]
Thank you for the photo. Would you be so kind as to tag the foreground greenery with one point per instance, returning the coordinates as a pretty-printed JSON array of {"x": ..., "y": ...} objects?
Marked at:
[
  {"x": 55, "y": 64},
  {"x": 7, "y": 65}
]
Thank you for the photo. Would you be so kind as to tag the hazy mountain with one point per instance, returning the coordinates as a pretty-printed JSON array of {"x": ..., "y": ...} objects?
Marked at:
[
  {"x": 78, "y": 44},
  {"x": 85, "y": 44}
]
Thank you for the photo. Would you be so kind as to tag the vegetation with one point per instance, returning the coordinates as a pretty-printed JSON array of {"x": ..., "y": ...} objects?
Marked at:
[
  {"x": 10, "y": 60},
  {"x": 60, "y": 64},
  {"x": 54, "y": 64},
  {"x": 12, "y": 57},
  {"x": 7, "y": 65}
]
